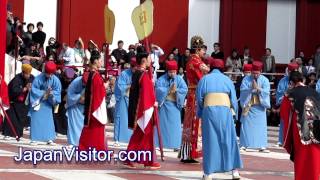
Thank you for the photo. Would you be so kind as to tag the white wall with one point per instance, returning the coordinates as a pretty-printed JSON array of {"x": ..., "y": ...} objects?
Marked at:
[
  {"x": 124, "y": 29},
  {"x": 204, "y": 16},
  {"x": 44, "y": 11},
  {"x": 281, "y": 29}
]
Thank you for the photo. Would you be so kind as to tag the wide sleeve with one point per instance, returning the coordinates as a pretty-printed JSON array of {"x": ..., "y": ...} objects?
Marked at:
[
  {"x": 36, "y": 92},
  {"x": 245, "y": 92},
  {"x": 162, "y": 89},
  {"x": 285, "y": 115},
  {"x": 98, "y": 104},
  {"x": 74, "y": 92},
  {"x": 264, "y": 93},
  {"x": 281, "y": 89},
  {"x": 233, "y": 99},
  {"x": 181, "y": 93},
  {"x": 318, "y": 86},
  {"x": 200, "y": 93},
  {"x": 15, "y": 87},
  {"x": 121, "y": 86},
  {"x": 56, "y": 91}
]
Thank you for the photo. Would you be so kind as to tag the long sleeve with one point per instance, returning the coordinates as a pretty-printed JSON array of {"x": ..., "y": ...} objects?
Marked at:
[
  {"x": 318, "y": 86},
  {"x": 37, "y": 92},
  {"x": 245, "y": 91},
  {"x": 200, "y": 93},
  {"x": 233, "y": 99},
  {"x": 74, "y": 92},
  {"x": 162, "y": 89},
  {"x": 56, "y": 91},
  {"x": 15, "y": 88},
  {"x": 281, "y": 89},
  {"x": 182, "y": 90},
  {"x": 264, "y": 94},
  {"x": 122, "y": 84}
]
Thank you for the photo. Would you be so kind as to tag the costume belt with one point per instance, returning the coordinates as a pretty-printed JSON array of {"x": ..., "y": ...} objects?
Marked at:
[
  {"x": 218, "y": 99},
  {"x": 253, "y": 101},
  {"x": 171, "y": 97}
]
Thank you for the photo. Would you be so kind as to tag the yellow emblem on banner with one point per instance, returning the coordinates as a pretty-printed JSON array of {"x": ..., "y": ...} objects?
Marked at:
[
  {"x": 142, "y": 19},
  {"x": 109, "y": 23}
]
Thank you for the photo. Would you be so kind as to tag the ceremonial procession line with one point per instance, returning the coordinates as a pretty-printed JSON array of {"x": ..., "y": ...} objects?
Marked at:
[{"x": 118, "y": 172}]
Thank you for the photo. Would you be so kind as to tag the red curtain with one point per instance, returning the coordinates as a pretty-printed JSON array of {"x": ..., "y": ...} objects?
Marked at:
[{"x": 3, "y": 24}]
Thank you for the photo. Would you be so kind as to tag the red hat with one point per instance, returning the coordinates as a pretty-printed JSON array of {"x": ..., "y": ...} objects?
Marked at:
[
  {"x": 171, "y": 65},
  {"x": 257, "y": 66},
  {"x": 131, "y": 46},
  {"x": 50, "y": 67},
  {"x": 247, "y": 67},
  {"x": 293, "y": 66},
  {"x": 133, "y": 62},
  {"x": 215, "y": 63}
]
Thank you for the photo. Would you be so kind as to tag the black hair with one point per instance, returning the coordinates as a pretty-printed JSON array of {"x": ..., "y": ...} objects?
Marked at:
[
  {"x": 39, "y": 24},
  {"x": 194, "y": 50},
  {"x": 216, "y": 44},
  {"x": 94, "y": 56},
  {"x": 30, "y": 24},
  {"x": 120, "y": 41},
  {"x": 268, "y": 49},
  {"x": 188, "y": 49},
  {"x": 141, "y": 53},
  {"x": 296, "y": 77}
]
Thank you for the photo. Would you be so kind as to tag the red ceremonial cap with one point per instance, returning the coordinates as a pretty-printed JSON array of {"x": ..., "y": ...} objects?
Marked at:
[
  {"x": 247, "y": 67},
  {"x": 293, "y": 66},
  {"x": 257, "y": 66},
  {"x": 216, "y": 63},
  {"x": 171, "y": 65},
  {"x": 133, "y": 62},
  {"x": 50, "y": 67}
]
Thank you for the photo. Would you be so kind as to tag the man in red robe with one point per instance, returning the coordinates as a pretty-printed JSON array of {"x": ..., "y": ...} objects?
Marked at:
[
  {"x": 195, "y": 68},
  {"x": 4, "y": 98},
  {"x": 300, "y": 112},
  {"x": 93, "y": 132},
  {"x": 141, "y": 119}
]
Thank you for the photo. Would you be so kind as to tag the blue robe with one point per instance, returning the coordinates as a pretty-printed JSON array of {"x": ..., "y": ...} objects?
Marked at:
[
  {"x": 254, "y": 125},
  {"x": 318, "y": 86},
  {"x": 75, "y": 111},
  {"x": 42, "y": 125},
  {"x": 121, "y": 131},
  {"x": 219, "y": 143},
  {"x": 281, "y": 89},
  {"x": 169, "y": 111}
]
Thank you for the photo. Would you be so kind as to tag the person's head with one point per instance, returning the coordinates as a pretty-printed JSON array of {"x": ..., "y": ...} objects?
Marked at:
[
  {"x": 65, "y": 46},
  {"x": 172, "y": 68},
  {"x": 133, "y": 63},
  {"x": 92, "y": 46},
  {"x": 247, "y": 68},
  {"x": 69, "y": 74},
  {"x": 50, "y": 69},
  {"x": 95, "y": 59},
  {"x": 312, "y": 76},
  {"x": 318, "y": 49},
  {"x": 216, "y": 46},
  {"x": 268, "y": 51},
  {"x": 175, "y": 51},
  {"x": 301, "y": 54},
  {"x": 77, "y": 44},
  {"x": 234, "y": 53},
  {"x": 39, "y": 26},
  {"x": 171, "y": 56},
  {"x": 256, "y": 69},
  {"x": 104, "y": 47},
  {"x": 30, "y": 27},
  {"x": 143, "y": 57},
  {"x": 26, "y": 70},
  {"x": 181, "y": 70},
  {"x": 51, "y": 41},
  {"x": 299, "y": 61},
  {"x": 120, "y": 44},
  {"x": 246, "y": 50},
  {"x": 215, "y": 63},
  {"x": 33, "y": 46},
  {"x": 132, "y": 48},
  {"x": 197, "y": 46},
  {"x": 293, "y": 67},
  {"x": 310, "y": 62},
  {"x": 296, "y": 78},
  {"x": 187, "y": 52}
]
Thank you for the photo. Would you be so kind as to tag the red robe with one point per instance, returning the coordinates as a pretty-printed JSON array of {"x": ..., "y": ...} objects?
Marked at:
[
  {"x": 306, "y": 158},
  {"x": 141, "y": 117},
  {"x": 191, "y": 122},
  {"x": 4, "y": 97},
  {"x": 93, "y": 132}
]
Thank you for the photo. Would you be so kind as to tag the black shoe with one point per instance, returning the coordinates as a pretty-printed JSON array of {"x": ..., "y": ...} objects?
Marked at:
[{"x": 190, "y": 161}]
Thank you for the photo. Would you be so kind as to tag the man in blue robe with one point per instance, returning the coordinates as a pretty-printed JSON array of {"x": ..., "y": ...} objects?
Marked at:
[
  {"x": 45, "y": 95},
  {"x": 217, "y": 107},
  {"x": 171, "y": 91},
  {"x": 121, "y": 91},
  {"x": 254, "y": 100},
  {"x": 283, "y": 86},
  {"x": 75, "y": 110}
]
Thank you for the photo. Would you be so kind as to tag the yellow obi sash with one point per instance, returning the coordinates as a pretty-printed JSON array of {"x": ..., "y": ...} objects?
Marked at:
[
  {"x": 172, "y": 97},
  {"x": 217, "y": 99},
  {"x": 255, "y": 100}
]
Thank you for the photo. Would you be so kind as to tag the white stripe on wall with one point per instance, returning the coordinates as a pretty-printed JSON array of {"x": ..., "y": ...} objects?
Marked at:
[
  {"x": 124, "y": 29},
  {"x": 204, "y": 19},
  {"x": 44, "y": 11},
  {"x": 281, "y": 29}
]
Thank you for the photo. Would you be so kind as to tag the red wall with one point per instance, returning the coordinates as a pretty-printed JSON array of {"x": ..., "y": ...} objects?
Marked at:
[
  {"x": 80, "y": 18},
  {"x": 243, "y": 23},
  {"x": 308, "y": 26},
  {"x": 170, "y": 24},
  {"x": 17, "y": 8},
  {"x": 3, "y": 17}
]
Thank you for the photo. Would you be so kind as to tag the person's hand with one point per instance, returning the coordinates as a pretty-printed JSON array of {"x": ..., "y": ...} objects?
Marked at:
[
  {"x": 29, "y": 85},
  {"x": 156, "y": 104},
  {"x": 204, "y": 68},
  {"x": 82, "y": 100},
  {"x": 254, "y": 84},
  {"x": 173, "y": 88}
]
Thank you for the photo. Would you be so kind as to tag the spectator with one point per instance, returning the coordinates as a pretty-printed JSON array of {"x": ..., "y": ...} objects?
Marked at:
[
  {"x": 52, "y": 49},
  {"x": 34, "y": 57},
  {"x": 39, "y": 36},
  {"x": 217, "y": 53},
  {"x": 79, "y": 51},
  {"x": 311, "y": 80},
  {"x": 302, "y": 69},
  {"x": 317, "y": 60},
  {"x": 156, "y": 52},
  {"x": 246, "y": 57},
  {"x": 301, "y": 55},
  {"x": 175, "y": 52},
  {"x": 110, "y": 99},
  {"x": 120, "y": 54},
  {"x": 269, "y": 62},
  {"x": 67, "y": 55},
  {"x": 91, "y": 47},
  {"x": 131, "y": 53},
  {"x": 27, "y": 36},
  {"x": 309, "y": 67},
  {"x": 184, "y": 59},
  {"x": 234, "y": 62}
]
